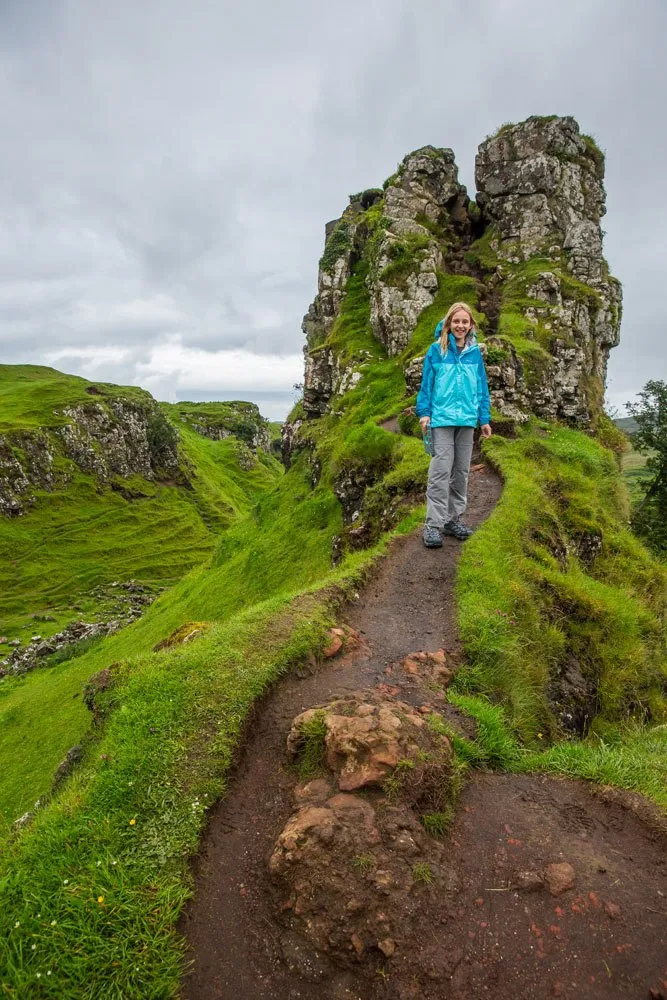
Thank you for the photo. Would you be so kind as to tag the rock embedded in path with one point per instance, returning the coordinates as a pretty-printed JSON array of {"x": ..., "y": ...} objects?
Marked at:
[
  {"x": 344, "y": 877},
  {"x": 559, "y": 877},
  {"x": 349, "y": 869},
  {"x": 366, "y": 739}
]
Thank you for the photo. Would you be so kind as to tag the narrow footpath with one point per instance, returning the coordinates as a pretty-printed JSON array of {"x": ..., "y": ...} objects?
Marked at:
[{"x": 546, "y": 888}]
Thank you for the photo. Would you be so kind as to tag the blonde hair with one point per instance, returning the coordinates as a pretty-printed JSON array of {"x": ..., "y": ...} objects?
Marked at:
[{"x": 447, "y": 324}]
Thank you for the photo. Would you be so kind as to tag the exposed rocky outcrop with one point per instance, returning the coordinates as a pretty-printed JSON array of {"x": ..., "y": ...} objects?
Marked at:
[
  {"x": 540, "y": 183},
  {"x": 423, "y": 205},
  {"x": 541, "y": 193},
  {"x": 132, "y": 599},
  {"x": 221, "y": 420},
  {"x": 107, "y": 438},
  {"x": 532, "y": 245},
  {"x": 119, "y": 438}
]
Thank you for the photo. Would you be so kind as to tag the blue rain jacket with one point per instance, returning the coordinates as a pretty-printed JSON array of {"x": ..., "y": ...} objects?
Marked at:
[{"x": 454, "y": 391}]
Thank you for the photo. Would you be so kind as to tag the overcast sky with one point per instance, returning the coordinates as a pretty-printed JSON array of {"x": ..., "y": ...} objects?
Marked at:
[{"x": 167, "y": 167}]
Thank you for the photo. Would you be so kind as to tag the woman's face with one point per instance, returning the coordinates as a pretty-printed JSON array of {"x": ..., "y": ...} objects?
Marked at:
[{"x": 460, "y": 324}]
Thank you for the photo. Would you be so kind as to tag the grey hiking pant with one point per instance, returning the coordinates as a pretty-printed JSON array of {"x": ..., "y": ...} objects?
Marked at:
[{"x": 447, "y": 489}]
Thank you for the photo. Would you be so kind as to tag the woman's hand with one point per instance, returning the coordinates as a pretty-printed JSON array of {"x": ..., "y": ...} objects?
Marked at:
[
  {"x": 486, "y": 430},
  {"x": 423, "y": 423}
]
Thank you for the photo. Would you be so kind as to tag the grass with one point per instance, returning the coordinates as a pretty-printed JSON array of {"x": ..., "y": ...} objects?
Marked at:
[
  {"x": 238, "y": 418},
  {"x": 83, "y": 535},
  {"x": 312, "y": 747},
  {"x": 436, "y": 824},
  {"x": 635, "y": 473},
  {"x": 363, "y": 862},
  {"x": 422, "y": 873},
  {"x": 124, "y": 825},
  {"x": 127, "y": 822},
  {"x": 625, "y": 755},
  {"x": 527, "y": 602},
  {"x": 32, "y": 396}
]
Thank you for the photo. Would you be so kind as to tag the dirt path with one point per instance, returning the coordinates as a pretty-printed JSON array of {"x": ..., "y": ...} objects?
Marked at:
[{"x": 482, "y": 933}]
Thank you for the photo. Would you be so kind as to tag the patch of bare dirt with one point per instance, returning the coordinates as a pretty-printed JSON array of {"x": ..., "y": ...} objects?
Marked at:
[{"x": 308, "y": 889}]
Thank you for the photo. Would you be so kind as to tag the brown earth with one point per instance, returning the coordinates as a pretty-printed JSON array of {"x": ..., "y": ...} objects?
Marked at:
[{"x": 481, "y": 917}]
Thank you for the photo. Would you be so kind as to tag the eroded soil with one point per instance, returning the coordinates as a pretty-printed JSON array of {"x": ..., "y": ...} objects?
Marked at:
[{"x": 488, "y": 924}]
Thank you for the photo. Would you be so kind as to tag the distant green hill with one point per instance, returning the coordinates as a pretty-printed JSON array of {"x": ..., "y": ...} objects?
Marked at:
[
  {"x": 627, "y": 424},
  {"x": 83, "y": 522}
]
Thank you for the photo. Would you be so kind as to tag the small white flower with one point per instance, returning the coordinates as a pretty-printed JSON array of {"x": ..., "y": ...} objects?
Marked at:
[
  {"x": 39, "y": 975},
  {"x": 17, "y": 924},
  {"x": 53, "y": 923},
  {"x": 48, "y": 973},
  {"x": 65, "y": 881},
  {"x": 99, "y": 863},
  {"x": 130, "y": 783},
  {"x": 33, "y": 947},
  {"x": 113, "y": 862}
]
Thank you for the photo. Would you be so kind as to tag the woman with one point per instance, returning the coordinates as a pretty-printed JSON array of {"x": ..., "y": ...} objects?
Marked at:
[{"x": 453, "y": 398}]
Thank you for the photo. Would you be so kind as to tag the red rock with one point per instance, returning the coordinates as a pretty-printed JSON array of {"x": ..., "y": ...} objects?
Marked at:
[
  {"x": 559, "y": 877},
  {"x": 333, "y": 647}
]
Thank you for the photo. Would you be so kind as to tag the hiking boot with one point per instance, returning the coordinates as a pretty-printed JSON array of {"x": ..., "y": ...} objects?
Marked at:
[
  {"x": 458, "y": 529},
  {"x": 431, "y": 536}
]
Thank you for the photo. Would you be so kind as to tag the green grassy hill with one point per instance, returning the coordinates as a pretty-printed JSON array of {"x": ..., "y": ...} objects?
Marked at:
[
  {"x": 97, "y": 880},
  {"x": 83, "y": 533}
]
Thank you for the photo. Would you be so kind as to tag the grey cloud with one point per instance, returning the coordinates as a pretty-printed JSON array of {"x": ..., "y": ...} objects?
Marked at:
[{"x": 188, "y": 155}]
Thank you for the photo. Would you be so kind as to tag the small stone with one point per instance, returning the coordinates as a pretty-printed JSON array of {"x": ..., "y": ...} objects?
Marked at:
[
  {"x": 559, "y": 877},
  {"x": 314, "y": 792},
  {"x": 357, "y": 944},
  {"x": 387, "y": 946},
  {"x": 612, "y": 910},
  {"x": 528, "y": 881}
]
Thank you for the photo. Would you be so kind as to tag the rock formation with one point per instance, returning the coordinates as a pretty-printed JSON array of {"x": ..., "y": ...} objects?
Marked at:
[
  {"x": 221, "y": 420},
  {"x": 112, "y": 438},
  {"x": 108, "y": 438},
  {"x": 532, "y": 246},
  {"x": 352, "y": 864},
  {"x": 541, "y": 193}
]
